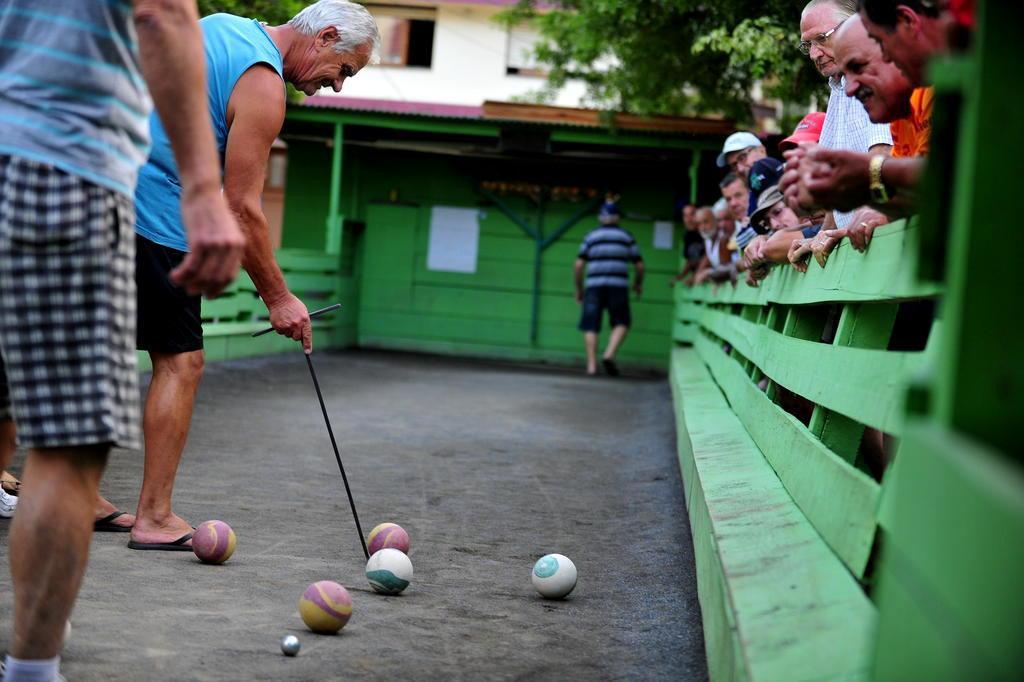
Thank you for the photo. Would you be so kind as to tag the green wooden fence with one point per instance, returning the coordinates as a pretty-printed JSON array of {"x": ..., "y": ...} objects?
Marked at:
[
  {"x": 791, "y": 513},
  {"x": 811, "y": 563}
]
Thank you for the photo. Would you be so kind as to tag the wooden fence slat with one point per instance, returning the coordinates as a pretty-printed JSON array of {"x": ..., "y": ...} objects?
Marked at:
[
  {"x": 872, "y": 380},
  {"x": 953, "y": 546},
  {"x": 839, "y": 500}
]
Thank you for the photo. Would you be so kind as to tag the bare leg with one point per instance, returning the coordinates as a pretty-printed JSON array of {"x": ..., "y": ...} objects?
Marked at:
[
  {"x": 618, "y": 335},
  {"x": 49, "y": 544},
  {"x": 8, "y": 435},
  {"x": 590, "y": 342},
  {"x": 165, "y": 424}
]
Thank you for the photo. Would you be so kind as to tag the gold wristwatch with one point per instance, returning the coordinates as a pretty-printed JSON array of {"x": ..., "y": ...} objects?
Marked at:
[{"x": 879, "y": 192}]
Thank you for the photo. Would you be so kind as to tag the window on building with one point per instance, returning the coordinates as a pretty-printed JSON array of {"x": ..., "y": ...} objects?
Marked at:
[
  {"x": 406, "y": 35},
  {"x": 519, "y": 57}
]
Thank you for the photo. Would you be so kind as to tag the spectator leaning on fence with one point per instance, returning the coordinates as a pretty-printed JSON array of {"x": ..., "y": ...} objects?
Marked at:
[
  {"x": 740, "y": 151},
  {"x": 832, "y": 179},
  {"x": 737, "y": 197},
  {"x": 786, "y": 229},
  {"x": 846, "y": 125},
  {"x": 888, "y": 97},
  {"x": 910, "y": 32},
  {"x": 693, "y": 245}
]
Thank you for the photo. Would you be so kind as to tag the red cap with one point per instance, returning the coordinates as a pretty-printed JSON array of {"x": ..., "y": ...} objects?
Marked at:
[{"x": 808, "y": 130}]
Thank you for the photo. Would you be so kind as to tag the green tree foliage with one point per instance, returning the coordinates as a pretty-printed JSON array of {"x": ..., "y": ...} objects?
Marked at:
[
  {"x": 274, "y": 12},
  {"x": 673, "y": 56}
]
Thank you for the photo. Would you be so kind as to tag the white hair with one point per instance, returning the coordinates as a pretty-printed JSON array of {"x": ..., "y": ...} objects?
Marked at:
[
  {"x": 843, "y": 8},
  {"x": 354, "y": 24},
  {"x": 720, "y": 206}
]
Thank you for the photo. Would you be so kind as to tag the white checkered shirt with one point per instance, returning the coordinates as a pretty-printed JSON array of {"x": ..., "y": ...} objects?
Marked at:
[{"x": 847, "y": 126}]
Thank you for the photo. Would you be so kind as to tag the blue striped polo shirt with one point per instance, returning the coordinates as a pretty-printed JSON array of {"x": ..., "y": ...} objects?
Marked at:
[
  {"x": 71, "y": 90},
  {"x": 233, "y": 45},
  {"x": 608, "y": 251}
]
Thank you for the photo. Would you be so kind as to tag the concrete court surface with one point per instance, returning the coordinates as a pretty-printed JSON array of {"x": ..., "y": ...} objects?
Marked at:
[{"x": 488, "y": 466}]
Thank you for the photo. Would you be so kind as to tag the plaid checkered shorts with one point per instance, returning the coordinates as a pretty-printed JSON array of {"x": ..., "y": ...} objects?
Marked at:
[{"x": 67, "y": 308}]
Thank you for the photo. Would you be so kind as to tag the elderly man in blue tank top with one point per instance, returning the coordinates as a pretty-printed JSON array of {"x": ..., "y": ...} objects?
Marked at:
[{"x": 247, "y": 65}]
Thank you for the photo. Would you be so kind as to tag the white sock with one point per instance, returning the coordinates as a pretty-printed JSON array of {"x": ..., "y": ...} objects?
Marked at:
[{"x": 34, "y": 670}]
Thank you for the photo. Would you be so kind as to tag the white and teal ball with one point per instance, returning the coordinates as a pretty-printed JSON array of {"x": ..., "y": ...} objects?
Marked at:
[
  {"x": 389, "y": 571},
  {"x": 554, "y": 576}
]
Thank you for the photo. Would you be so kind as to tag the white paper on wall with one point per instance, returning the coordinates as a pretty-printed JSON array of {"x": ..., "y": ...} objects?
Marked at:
[
  {"x": 663, "y": 234},
  {"x": 454, "y": 239}
]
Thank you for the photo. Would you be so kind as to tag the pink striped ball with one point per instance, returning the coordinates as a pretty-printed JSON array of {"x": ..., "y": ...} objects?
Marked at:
[
  {"x": 325, "y": 606},
  {"x": 389, "y": 535},
  {"x": 213, "y": 542}
]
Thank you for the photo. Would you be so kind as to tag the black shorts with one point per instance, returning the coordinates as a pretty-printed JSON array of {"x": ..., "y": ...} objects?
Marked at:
[
  {"x": 169, "y": 320},
  {"x": 598, "y": 299}
]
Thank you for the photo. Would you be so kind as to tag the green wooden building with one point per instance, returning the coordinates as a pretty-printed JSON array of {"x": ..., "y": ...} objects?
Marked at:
[{"x": 364, "y": 184}]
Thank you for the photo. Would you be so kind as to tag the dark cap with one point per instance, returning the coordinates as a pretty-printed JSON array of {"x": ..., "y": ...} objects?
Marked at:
[{"x": 763, "y": 174}]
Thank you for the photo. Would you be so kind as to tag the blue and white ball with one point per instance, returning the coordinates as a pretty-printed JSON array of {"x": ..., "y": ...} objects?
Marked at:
[
  {"x": 389, "y": 571},
  {"x": 554, "y": 576}
]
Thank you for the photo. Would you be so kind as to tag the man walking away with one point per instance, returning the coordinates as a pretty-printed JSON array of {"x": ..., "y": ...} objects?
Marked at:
[{"x": 606, "y": 254}]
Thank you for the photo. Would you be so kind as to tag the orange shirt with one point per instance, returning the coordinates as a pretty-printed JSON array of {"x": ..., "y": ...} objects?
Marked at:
[{"x": 910, "y": 136}]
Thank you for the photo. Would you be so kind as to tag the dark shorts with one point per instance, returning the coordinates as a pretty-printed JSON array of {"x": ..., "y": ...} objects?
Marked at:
[
  {"x": 169, "y": 319},
  {"x": 598, "y": 299}
]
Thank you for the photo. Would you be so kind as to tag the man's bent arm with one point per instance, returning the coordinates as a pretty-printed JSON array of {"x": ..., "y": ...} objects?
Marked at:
[{"x": 256, "y": 112}]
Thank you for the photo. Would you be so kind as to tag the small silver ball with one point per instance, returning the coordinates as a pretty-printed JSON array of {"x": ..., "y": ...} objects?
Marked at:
[{"x": 290, "y": 645}]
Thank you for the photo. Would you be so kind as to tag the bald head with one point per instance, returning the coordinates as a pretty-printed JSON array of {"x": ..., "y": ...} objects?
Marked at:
[{"x": 881, "y": 87}]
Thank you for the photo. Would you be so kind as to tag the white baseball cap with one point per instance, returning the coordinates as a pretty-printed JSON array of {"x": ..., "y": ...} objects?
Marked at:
[{"x": 737, "y": 142}]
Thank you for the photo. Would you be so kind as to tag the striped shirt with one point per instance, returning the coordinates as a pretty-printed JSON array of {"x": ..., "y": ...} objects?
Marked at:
[
  {"x": 608, "y": 251},
  {"x": 848, "y": 127},
  {"x": 71, "y": 91}
]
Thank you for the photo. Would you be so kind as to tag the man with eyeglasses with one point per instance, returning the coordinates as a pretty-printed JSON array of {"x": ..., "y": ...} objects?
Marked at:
[
  {"x": 909, "y": 32},
  {"x": 847, "y": 125},
  {"x": 740, "y": 152}
]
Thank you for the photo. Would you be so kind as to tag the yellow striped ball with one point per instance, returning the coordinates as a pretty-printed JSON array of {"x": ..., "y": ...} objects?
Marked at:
[{"x": 325, "y": 606}]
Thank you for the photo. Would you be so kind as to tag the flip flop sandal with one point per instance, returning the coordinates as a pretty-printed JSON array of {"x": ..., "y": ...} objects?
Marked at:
[
  {"x": 174, "y": 546},
  {"x": 106, "y": 525}
]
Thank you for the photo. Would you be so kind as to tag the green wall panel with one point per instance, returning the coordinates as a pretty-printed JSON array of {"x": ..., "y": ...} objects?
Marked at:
[{"x": 401, "y": 301}]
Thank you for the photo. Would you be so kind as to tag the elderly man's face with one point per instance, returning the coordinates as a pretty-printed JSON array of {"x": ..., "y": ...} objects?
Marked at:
[
  {"x": 815, "y": 23},
  {"x": 737, "y": 194},
  {"x": 706, "y": 223},
  {"x": 724, "y": 221},
  {"x": 781, "y": 217},
  {"x": 319, "y": 66},
  {"x": 741, "y": 161},
  {"x": 881, "y": 87},
  {"x": 902, "y": 46}
]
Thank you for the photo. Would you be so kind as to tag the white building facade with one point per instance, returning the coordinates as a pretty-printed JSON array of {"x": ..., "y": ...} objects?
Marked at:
[{"x": 452, "y": 52}]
